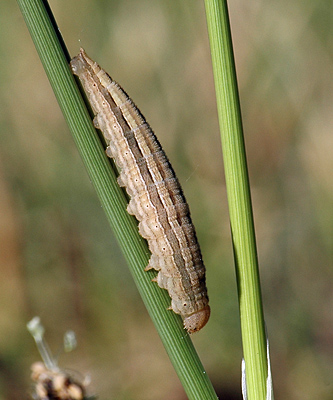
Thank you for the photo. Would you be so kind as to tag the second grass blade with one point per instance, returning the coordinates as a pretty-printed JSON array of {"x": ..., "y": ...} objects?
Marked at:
[{"x": 239, "y": 198}]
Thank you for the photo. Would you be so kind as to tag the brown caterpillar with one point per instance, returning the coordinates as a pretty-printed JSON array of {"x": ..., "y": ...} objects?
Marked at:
[{"x": 157, "y": 199}]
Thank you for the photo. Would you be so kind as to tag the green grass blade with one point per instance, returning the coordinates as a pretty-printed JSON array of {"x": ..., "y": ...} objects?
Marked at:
[
  {"x": 239, "y": 199},
  {"x": 55, "y": 58}
]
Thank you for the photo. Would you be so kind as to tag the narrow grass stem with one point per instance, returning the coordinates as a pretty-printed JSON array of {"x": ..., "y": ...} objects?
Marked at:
[
  {"x": 55, "y": 58},
  {"x": 239, "y": 199}
]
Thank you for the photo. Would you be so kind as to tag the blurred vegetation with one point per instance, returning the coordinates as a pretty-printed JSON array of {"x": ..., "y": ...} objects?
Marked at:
[{"x": 58, "y": 258}]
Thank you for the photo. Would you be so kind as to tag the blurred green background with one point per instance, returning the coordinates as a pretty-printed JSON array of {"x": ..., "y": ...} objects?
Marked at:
[{"x": 58, "y": 257}]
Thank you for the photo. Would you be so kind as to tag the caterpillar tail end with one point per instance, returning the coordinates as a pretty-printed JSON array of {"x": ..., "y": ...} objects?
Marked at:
[{"x": 198, "y": 320}]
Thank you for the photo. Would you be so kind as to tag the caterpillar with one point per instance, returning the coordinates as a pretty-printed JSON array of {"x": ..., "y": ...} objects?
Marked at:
[{"x": 156, "y": 198}]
